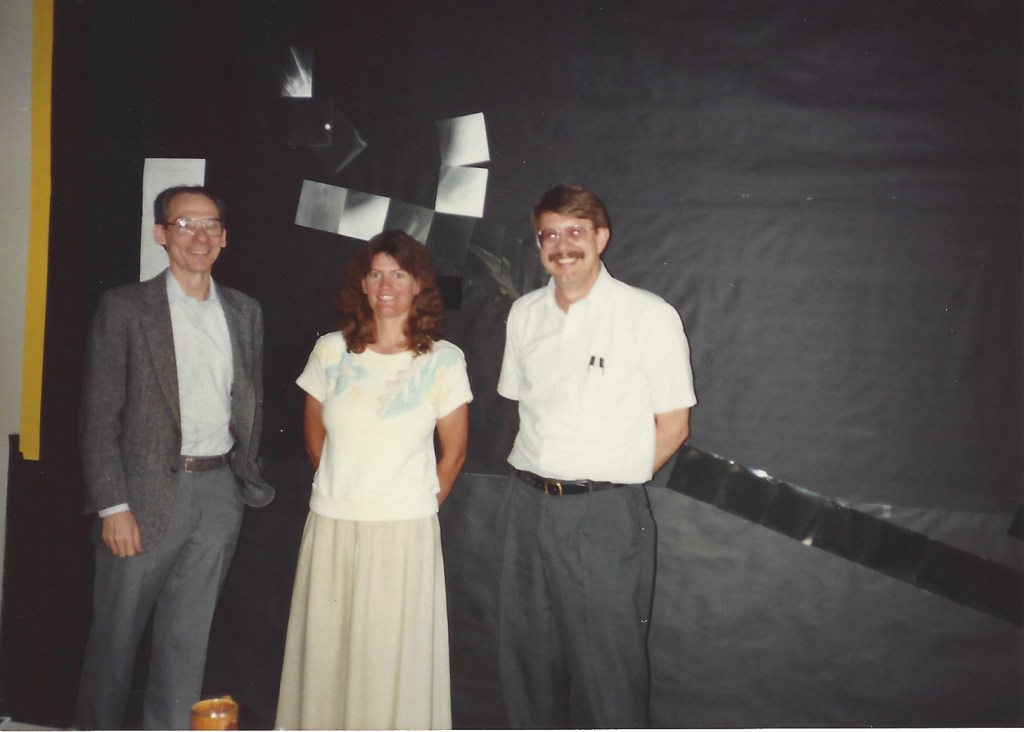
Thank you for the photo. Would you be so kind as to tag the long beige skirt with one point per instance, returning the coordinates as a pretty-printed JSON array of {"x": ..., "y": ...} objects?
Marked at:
[{"x": 367, "y": 643}]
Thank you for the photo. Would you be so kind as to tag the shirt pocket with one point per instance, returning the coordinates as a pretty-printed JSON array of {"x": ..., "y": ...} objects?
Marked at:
[{"x": 609, "y": 387}]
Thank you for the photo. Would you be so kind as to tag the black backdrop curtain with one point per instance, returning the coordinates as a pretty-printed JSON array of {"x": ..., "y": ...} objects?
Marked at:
[{"x": 829, "y": 193}]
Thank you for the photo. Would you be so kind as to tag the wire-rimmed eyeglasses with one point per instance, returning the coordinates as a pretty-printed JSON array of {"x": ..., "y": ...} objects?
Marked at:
[
  {"x": 574, "y": 234},
  {"x": 185, "y": 225}
]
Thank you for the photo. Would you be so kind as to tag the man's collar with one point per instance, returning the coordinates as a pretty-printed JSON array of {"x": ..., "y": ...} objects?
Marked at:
[
  {"x": 603, "y": 278},
  {"x": 176, "y": 292}
]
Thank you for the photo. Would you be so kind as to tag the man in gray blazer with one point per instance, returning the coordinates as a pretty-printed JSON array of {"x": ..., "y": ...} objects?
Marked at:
[{"x": 172, "y": 410}]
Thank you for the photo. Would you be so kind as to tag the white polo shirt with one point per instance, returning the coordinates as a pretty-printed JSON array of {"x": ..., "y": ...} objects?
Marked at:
[{"x": 589, "y": 381}]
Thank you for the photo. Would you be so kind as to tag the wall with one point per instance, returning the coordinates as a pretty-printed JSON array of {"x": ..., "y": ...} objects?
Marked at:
[{"x": 15, "y": 90}]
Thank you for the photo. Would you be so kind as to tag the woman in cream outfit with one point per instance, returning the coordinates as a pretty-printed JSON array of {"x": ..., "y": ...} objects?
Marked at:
[{"x": 367, "y": 644}]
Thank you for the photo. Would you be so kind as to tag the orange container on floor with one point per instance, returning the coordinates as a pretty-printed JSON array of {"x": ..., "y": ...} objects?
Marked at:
[{"x": 219, "y": 713}]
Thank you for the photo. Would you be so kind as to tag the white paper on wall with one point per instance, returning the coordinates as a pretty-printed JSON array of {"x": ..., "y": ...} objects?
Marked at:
[
  {"x": 320, "y": 206},
  {"x": 461, "y": 191},
  {"x": 463, "y": 140},
  {"x": 364, "y": 215}
]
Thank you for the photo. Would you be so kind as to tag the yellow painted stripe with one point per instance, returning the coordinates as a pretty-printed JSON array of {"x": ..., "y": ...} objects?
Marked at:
[{"x": 38, "y": 230}]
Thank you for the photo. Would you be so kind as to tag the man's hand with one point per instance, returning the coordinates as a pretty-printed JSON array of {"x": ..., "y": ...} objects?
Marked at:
[{"x": 121, "y": 534}]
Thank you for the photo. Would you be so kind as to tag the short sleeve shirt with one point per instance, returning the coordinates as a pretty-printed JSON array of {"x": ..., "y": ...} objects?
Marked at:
[
  {"x": 589, "y": 381},
  {"x": 380, "y": 411}
]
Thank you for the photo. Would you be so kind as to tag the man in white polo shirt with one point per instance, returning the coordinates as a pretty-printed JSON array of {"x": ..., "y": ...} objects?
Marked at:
[{"x": 601, "y": 371}]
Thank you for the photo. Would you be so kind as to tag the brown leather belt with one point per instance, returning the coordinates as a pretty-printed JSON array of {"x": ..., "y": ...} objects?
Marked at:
[
  {"x": 192, "y": 464},
  {"x": 556, "y": 487}
]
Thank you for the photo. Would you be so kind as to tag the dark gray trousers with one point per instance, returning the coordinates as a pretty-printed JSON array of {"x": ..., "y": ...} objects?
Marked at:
[
  {"x": 178, "y": 581},
  {"x": 577, "y": 583}
]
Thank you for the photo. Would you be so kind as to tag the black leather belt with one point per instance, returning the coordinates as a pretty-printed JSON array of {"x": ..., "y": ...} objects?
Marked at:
[
  {"x": 191, "y": 464},
  {"x": 556, "y": 487}
]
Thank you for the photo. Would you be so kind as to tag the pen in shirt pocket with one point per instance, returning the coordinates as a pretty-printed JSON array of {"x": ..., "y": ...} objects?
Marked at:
[{"x": 596, "y": 361}]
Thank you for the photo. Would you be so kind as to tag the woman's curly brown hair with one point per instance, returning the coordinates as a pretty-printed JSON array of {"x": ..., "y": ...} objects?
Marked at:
[{"x": 426, "y": 317}]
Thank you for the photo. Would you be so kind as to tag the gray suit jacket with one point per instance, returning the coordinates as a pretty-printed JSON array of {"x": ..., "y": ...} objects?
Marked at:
[{"x": 130, "y": 416}]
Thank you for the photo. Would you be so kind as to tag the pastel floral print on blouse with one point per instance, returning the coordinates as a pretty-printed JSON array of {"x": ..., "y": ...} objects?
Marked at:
[
  {"x": 344, "y": 373},
  {"x": 409, "y": 388}
]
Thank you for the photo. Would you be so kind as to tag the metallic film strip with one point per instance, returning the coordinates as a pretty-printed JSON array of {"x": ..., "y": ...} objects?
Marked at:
[{"x": 830, "y": 525}]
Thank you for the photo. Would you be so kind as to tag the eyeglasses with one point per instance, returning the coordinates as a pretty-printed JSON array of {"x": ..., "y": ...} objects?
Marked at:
[
  {"x": 187, "y": 226},
  {"x": 573, "y": 234}
]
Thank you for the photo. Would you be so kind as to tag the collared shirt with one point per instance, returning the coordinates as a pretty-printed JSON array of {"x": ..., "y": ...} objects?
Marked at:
[
  {"x": 589, "y": 381},
  {"x": 202, "y": 352}
]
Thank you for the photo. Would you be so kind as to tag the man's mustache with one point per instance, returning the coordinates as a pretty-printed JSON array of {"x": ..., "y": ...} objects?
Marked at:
[{"x": 555, "y": 256}]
